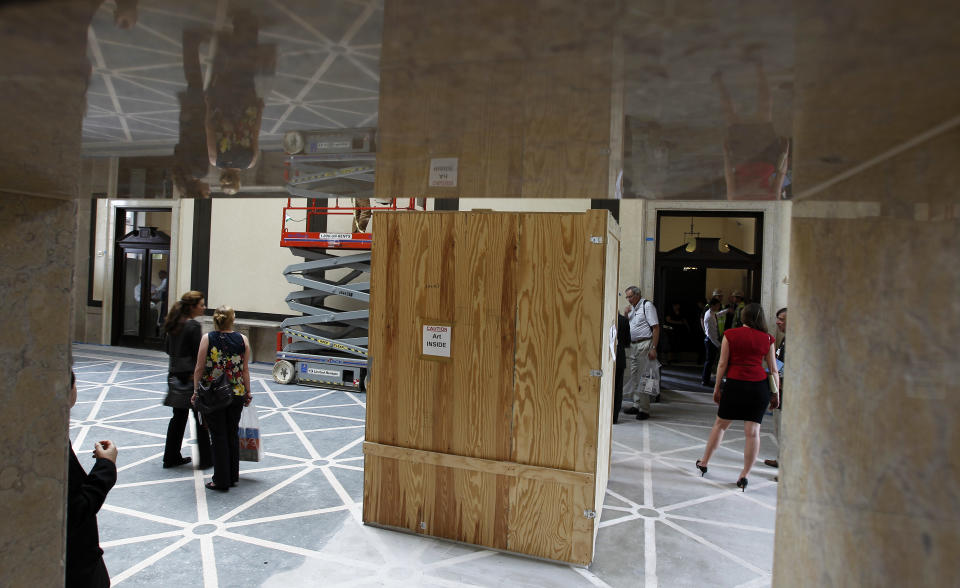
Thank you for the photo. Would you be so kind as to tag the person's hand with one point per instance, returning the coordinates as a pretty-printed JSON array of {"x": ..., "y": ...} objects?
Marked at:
[
  {"x": 774, "y": 400},
  {"x": 652, "y": 354},
  {"x": 105, "y": 449},
  {"x": 627, "y": 309},
  {"x": 247, "y": 399},
  {"x": 716, "y": 393},
  {"x": 193, "y": 399}
]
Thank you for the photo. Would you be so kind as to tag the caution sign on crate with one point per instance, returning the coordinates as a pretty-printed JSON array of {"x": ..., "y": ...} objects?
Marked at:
[{"x": 436, "y": 341}]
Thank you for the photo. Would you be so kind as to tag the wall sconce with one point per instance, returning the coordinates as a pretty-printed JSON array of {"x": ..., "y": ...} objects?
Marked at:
[
  {"x": 690, "y": 238},
  {"x": 723, "y": 246}
]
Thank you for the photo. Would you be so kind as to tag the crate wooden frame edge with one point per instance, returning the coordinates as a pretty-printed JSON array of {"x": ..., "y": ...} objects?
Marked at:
[{"x": 477, "y": 464}]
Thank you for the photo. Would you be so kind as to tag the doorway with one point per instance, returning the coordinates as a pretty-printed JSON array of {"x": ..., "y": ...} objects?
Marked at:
[
  {"x": 697, "y": 253},
  {"x": 141, "y": 280}
]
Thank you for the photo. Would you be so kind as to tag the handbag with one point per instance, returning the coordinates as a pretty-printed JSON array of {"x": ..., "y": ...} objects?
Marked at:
[
  {"x": 178, "y": 393},
  {"x": 215, "y": 395},
  {"x": 249, "y": 435},
  {"x": 650, "y": 380},
  {"x": 772, "y": 382}
]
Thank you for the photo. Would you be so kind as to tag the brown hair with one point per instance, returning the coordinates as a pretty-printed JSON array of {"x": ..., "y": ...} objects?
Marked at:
[
  {"x": 223, "y": 318},
  {"x": 181, "y": 311},
  {"x": 752, "y": 316}
]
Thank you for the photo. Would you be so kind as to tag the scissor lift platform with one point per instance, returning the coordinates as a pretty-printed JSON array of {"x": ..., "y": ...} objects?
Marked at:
[{"x": 327, "y": 345}]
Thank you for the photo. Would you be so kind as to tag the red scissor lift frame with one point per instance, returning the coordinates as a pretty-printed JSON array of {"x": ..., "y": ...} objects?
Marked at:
[
  {"x": 327, "y": 240},
  {"x": 327, "y": 361}
]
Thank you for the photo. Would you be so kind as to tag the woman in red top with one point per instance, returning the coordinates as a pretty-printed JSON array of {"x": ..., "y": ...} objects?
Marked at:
[{"x": 746, "y": 393}]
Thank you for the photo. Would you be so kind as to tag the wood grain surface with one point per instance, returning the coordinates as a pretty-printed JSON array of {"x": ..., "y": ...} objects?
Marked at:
[
  {"x": 527, "y": 110},
  {"x": 605, "y": 413},
  {"x": 506, "y": 444}
]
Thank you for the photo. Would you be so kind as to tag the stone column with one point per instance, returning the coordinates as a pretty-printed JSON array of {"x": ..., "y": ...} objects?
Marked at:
[
  {"x": 870, "y": 478},
  {"x": 43, "y": 75}
]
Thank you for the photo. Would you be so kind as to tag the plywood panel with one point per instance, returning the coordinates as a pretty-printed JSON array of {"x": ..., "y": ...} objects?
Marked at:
[
  {"x": 485, "y": 277},
  {"x": 500, "y": 445},
  {"x": 522, "y": 93},
  {"x": 547, "y": 520},
  {"x": 417, "y": 255},
  {"x": 452, "y": 269},
  {"x": 401, "y": 142},
  {"x": 605, "y": 415},
  {"x": 485, "y": 499},
  {"x": 566, "y": 127},
  {"x": 554, "y": 423}
]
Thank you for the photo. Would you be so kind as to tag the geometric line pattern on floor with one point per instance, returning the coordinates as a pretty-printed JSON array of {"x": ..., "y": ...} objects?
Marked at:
[{"x": 295, "y": 517}]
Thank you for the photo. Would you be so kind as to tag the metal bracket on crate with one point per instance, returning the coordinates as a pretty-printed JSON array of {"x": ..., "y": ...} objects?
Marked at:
[
  {"x": 589, "y": 514},
  {"x": 596, "y": 240},
  {"x": 596, "y": 373}
]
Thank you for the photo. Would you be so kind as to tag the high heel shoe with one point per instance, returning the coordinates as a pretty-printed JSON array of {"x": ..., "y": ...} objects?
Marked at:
[
  {"x": 703, "y": 469},
  {"x": 742, "y": 484}
]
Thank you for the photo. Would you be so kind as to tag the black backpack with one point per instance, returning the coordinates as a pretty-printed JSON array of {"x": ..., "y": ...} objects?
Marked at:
[{"x": 215, "y": 395}]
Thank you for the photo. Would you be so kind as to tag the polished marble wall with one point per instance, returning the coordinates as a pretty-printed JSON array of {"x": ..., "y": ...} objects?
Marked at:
[
  {"x": 36, "y": 269},
  {"x": 43, "y": 75},
  {"x": 870, "y": 477}
]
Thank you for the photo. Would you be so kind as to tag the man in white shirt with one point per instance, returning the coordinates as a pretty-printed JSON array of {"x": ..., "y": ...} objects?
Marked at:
[
  {"x": 711, "y": 340},
  {"x": 644, "y": 336},
  {"x": 161, "y": 292}
]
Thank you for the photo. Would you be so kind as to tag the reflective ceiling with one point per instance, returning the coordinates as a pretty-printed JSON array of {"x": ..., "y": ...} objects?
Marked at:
[
  {"x": 325, "y": 74},
  {"x": 702, "y": 79}
]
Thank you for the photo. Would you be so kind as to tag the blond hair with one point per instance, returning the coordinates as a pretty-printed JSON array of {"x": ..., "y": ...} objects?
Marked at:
[{"x": 223, "y": 318}]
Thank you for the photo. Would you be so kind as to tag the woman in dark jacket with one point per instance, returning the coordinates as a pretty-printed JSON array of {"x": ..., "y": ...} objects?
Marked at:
[
  {"x": 183, "y": 334},
  {"x": 226, "y": 352}
]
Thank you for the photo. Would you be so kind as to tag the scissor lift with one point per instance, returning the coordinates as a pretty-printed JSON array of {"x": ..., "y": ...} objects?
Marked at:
[{"x": 327, "y": 345}]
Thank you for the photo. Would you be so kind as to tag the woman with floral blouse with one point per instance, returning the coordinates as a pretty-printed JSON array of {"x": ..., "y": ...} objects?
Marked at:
[
  {"x": 224, "y": 351},
  {"x": 234, "y": 109}
]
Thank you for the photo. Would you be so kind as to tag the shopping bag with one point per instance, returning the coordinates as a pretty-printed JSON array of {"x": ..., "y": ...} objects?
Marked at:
[
  {"x": 650, "y": 380},
  {"x": 249, "y": 432}
]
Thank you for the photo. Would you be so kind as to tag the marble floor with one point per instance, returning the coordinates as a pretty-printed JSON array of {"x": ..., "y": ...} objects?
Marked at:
[{"x": 294, "y": 519}]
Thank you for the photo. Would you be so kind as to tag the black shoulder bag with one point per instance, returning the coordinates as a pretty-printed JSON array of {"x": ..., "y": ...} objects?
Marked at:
[{"x": 178, "y": 392}]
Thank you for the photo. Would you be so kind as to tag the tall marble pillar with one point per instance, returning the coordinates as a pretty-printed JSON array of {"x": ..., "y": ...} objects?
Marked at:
[
  {"x": 870, "y": 469},
  {"x": 43, "y": 75}
]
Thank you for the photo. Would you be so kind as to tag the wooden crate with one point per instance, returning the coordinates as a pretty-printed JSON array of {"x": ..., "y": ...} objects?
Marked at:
[{"x": 506, "y": 442}]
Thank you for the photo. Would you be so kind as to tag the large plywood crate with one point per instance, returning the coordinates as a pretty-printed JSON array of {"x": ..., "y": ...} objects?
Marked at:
[{"x": 506, "y": 442}]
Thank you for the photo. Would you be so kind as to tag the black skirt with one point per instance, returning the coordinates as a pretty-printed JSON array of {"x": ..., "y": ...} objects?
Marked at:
[{"x": 741, "y": 400}]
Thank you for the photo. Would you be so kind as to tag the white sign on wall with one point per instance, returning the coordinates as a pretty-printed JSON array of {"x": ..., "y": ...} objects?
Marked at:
[
  {"x": 436, "y": 340},
  {"x": 443, "y": 172}
]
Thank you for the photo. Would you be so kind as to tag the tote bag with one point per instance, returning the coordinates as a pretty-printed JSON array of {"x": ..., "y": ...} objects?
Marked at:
[{"x": 250, "y": 447}]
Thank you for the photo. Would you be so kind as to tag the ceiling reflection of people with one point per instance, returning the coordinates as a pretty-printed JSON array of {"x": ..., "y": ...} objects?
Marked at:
[
  {"x": 755, "y": 158},
  {"x": 191, "y": 160},
  {"x": 234, "y": 110},
  {"x": 328, "y": 77}
]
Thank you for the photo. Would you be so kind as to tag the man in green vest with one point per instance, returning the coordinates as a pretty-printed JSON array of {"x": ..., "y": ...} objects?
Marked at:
[{"x": 736, "y": 307}]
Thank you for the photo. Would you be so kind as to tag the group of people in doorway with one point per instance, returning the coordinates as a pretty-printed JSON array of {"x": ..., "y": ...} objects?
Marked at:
[
  {"x": 748, "y": 375},
  {"x": 195, "y": 359}
]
